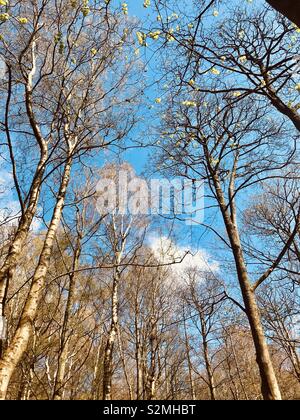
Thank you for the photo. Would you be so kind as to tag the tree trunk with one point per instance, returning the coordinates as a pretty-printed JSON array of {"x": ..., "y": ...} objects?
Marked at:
[
  {"x": 187, "y": 347},
  {"x": 8, "y": 268},
  {"x": 291, "y": 351},
  {"x": 60, "y": 374},
  {"x": 9, "y": 265},
  {"x": 237, "y": 367},
  {"x": 96, "y": 387},
  {"x": 269, "y": 385},
  {"x": 296, "y": 362},
  {"x": 208, "y": 366},
  {"x": 151, "y": 379},
  {"x": 25, "y": 383},
  {"x": 65, "y": 336},
  {"x": 14, "y": 352},
  {"x": 139, "y": 371},
  {"x": 138, "y": 350},
  {"x": 108, "y": 355},
  {"x": 124, "y": 365}
]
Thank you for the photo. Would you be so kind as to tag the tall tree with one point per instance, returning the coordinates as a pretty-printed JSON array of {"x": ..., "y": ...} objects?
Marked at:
[{"x": 62, "y": 53}]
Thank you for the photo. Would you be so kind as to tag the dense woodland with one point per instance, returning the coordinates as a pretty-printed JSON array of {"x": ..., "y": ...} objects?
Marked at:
[{"x": 105, "y": 305}]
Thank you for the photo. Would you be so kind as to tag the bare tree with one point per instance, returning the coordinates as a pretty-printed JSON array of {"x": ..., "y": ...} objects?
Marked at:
[{"x": 67, "y": 62}]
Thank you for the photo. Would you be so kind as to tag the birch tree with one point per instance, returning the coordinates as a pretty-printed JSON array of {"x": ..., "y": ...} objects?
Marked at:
[{"x": 60, "y": 55}]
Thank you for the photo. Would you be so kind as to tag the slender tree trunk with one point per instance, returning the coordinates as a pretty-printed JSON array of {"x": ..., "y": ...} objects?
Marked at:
[
  {"x": 187, "y": 346},
  {"x": 61, "y": 371},
  {"x": 14, "y": 352},
  {"x": 151, "y": 379},
  {"x": 108, "y": 355},
  {"x": 291, "y": 351},
  {"x": 112, "y": 334},
  {"x": 96, "y": 389},
  {"x": 125, "y": 370},
  {"x": 208, "y": 366},
  {"x": 65, "y": 336},
  {"x": 138, "y": 349},
  {"x": 144, "y": 365},
  {"x": 139, "y": 371},
  {"x": 9, "y": 265},
  {"x": 269, "y": 384},
  {"x": 27, "y": 388},
  {"x": 237, "y": 367},
  {"x": 25, "y": 383},
  {"x": 295, "y": 361},
  {"x": 232, "y": 385}
]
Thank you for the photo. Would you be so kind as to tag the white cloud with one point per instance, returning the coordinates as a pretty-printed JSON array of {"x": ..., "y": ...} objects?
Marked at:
[{"x": 166, "y": 251}]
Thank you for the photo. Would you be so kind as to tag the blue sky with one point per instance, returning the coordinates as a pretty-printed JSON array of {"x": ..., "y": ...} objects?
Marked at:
[{"x": 195, "y": 237}]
